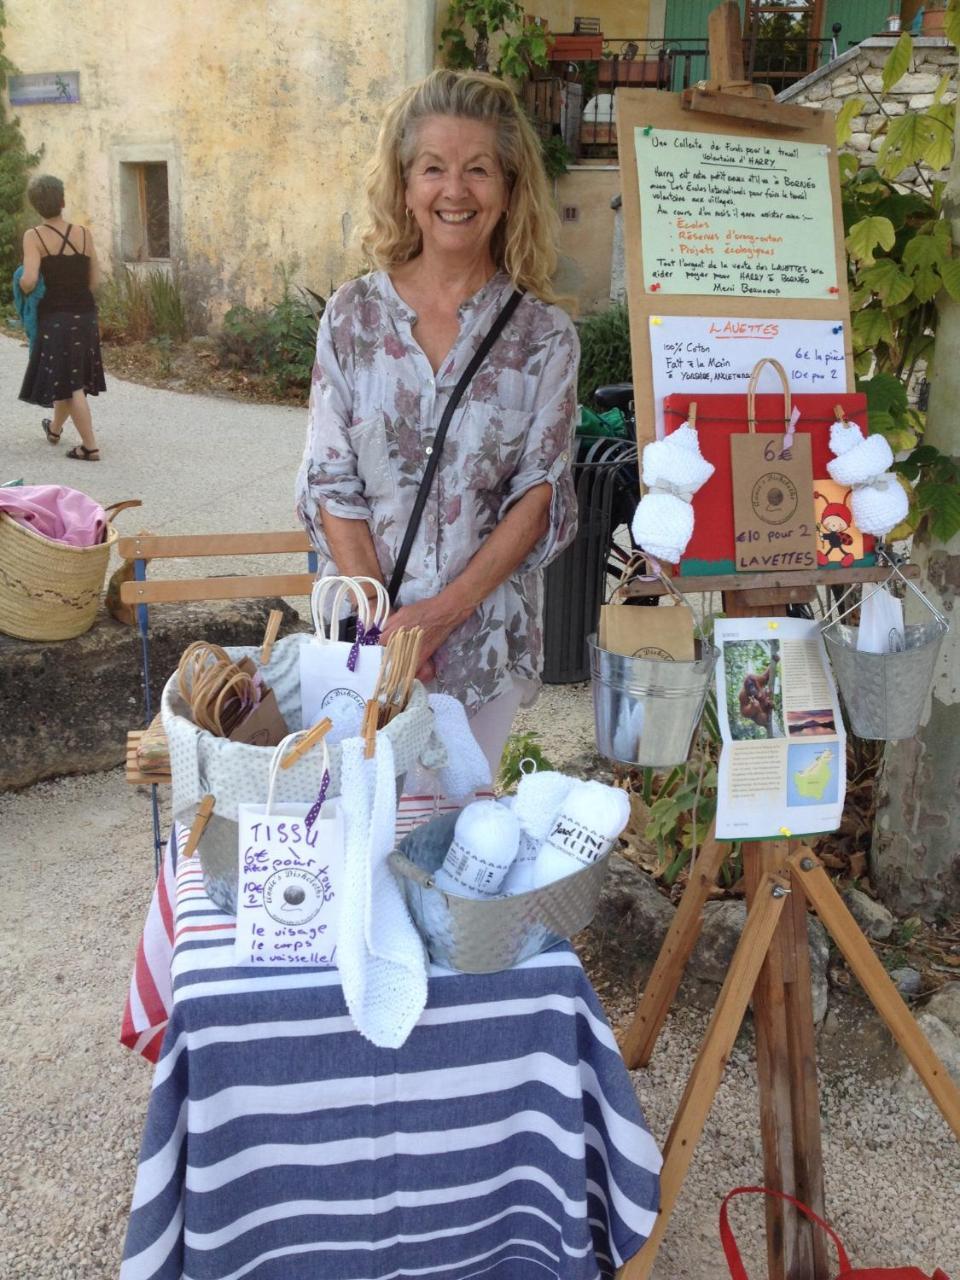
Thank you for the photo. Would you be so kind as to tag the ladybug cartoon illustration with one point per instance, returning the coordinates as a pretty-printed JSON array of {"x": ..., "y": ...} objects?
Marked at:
[{"x": 832, "y": 533}]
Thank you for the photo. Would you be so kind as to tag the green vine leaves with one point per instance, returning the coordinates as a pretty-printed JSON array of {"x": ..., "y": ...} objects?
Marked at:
[{"x": 900, "y": 257}]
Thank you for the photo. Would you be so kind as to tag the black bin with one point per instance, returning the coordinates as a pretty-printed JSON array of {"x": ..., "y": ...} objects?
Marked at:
[{"x": 605, "y": 477}]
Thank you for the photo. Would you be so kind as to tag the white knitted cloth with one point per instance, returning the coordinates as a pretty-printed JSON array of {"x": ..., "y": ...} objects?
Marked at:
[
  {"x": 380, "y": 954},
  {"x": 878, "y": 502},
  {"x": 662, "y": 526},
  {"x": 467, "y": 768},
  {"x": 879, "y": 507},
  {"x": 673, "y": 470}
]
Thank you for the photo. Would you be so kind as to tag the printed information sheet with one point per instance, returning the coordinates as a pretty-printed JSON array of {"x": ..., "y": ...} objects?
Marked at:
[
  {"x": 783, "y": 761},
  {"x": 749, "y": 217}
]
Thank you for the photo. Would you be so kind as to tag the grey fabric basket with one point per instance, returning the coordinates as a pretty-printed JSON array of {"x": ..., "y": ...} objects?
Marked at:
[{"x": 485, "y": 935}]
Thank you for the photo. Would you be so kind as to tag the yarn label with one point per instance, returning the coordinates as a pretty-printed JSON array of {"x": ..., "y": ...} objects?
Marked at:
[
  {"x": 289, "y": 878},
  {"x": 774, "y": 524},
  {"x": 579, "y": 841},
  {"x": 471, "y": 871}
]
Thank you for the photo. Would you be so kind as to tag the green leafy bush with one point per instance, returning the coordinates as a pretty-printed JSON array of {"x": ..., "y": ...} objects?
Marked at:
[
  {"x": 900, "y": 257},
  {"x": 278, "y": 341},
  {"x": 519, "y": 748},
  {"x": 604, "y": 351},
  {"x": 123, "y": 307},
  {"x": 15, "y": 165},
  {"x": 168, "y": 314}
]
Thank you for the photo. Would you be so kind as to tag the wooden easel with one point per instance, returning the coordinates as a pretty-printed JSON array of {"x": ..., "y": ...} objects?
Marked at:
[{"x": 771, "y": 963}]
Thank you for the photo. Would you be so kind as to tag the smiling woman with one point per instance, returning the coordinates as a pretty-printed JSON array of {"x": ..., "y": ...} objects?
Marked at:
[{"x": 460, "y": 223}]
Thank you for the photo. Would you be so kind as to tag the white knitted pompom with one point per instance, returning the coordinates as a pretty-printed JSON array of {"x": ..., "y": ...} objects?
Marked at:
[
  {"x": 662, "y": 526},
  {"x": 876, "y": 509},
  {"x": 844, "y": 436},
  {"x": 871, "y": 458}
]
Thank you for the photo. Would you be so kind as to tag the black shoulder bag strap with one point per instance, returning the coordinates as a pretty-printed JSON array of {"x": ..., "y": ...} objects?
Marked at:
[{"x": 433, "y": 461}]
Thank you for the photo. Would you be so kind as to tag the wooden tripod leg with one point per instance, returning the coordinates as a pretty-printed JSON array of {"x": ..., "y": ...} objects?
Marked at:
[
  {"x": 638, "y": 1041},
  {"x": 708, "y": 1069},
  {"x": 786, "y": 1071},
  {"x": 809, "y": 874}
]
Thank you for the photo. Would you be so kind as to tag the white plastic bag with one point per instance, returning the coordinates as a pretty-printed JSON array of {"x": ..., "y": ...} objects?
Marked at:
[
  {"x": 881, "y": 623},
  {"x": 328, "y": 686}
]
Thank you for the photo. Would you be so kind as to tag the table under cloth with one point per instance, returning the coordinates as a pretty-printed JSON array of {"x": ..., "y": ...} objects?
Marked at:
[{"x": 502, "y": 1140}]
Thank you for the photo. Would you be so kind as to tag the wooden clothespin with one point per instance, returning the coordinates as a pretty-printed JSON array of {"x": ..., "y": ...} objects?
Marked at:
[
  {"x": 371, "y": 718},
  {"x": 309, "y": 740},
  {"x": 204, "y": 814},
  {"x": 692, "y": 414},
  {"x": 839, "y": 413},
  {"x": 270, "y": 635}
]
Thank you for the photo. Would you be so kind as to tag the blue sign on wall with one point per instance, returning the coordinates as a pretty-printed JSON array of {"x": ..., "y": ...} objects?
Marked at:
[{"x": 44, "y": 87}]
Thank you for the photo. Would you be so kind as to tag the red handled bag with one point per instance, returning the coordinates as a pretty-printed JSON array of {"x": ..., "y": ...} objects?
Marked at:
[
  {"x": 712, "y": 549},
  {"x": 846, "y": 1272}
]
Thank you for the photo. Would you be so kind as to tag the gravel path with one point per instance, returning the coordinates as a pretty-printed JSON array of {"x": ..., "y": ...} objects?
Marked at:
[{"x": 78, "y": 869}]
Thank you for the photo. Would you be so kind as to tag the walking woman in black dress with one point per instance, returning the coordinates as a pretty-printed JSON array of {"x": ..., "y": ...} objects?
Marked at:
[{"x": 65, "y": 365}]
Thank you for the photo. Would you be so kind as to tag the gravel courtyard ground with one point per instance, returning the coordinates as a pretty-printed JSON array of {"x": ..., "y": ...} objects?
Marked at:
[{"x": 77, "y": 868}]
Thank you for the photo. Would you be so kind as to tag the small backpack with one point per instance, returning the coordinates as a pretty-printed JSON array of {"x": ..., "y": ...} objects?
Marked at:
[{"x": 846, "y": 1272}]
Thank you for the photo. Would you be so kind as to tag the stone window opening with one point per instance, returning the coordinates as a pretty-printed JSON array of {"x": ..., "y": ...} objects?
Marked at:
[{"x": 145, "y": 212}]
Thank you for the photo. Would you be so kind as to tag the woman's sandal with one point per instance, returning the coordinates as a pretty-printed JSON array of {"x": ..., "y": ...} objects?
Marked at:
[
  {"x": 83, "y": 454},
  {"x": 53, "y": 437}
]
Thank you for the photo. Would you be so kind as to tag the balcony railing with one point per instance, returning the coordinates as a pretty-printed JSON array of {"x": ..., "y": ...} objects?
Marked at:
[{"x": 575, "y": 98}]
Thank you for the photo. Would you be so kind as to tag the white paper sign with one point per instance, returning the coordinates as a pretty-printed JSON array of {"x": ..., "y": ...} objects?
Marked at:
[
  {"x": 718, "y": 353},
  {"x": 287, "y": 895},
  {"x": 782, "y": 768}
]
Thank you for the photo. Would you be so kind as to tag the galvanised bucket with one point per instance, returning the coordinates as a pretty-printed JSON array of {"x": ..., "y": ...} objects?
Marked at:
[
  {"x": 885, "y": 693},
  {"x": 485, "y": 935},
  {"x": 646, "y": 710}
]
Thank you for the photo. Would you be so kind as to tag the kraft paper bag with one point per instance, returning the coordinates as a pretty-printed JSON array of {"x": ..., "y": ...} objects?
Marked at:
[
  {"x": 774, "y": 524},
  {"x": 664, "y": 632}
]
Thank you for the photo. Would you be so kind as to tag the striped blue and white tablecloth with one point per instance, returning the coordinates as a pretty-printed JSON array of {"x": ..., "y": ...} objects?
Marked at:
[{"x": 503, "y": 1140}]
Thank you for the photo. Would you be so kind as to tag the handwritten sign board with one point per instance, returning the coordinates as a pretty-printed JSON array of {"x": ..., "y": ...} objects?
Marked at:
[
  {"x": 773, "y": 518},
  {"x": 287, "y": 911},
  {"x": 718, "y": 353},
  {"x": 742, "y": 216}
]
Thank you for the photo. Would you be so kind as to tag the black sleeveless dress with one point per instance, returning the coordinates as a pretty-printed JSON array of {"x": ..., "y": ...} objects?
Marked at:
[{"x": 66, "y": 355}]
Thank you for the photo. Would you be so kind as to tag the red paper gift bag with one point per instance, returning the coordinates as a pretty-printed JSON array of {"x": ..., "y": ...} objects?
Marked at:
[{"x": 711, "y": 549}]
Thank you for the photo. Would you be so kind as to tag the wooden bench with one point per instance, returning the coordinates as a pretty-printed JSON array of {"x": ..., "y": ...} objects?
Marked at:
[{"x": 132, "y": 768}]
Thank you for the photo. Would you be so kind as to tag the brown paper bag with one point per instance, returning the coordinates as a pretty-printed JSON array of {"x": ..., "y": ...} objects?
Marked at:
[
  {"x": 774, "y": 523},
  {"x": 264, "y": 726},
  {"x": 648, "y": 631}
]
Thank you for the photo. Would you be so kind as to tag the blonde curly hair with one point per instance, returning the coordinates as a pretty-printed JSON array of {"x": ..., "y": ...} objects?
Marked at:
[{"x": 524, "y": 243}]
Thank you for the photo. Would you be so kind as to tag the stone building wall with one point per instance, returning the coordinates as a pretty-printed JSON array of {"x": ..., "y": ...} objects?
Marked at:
[
  {"x": 858, "y": 74},
  {"x": 264, "y": 116}
]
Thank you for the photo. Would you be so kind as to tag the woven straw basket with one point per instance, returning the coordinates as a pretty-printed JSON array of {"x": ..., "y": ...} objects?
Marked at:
[{"x": 49, "y": 591}]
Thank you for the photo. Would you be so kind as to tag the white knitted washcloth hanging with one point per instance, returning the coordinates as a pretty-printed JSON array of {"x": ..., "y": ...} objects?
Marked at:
[
  {"x": 673, "y": 470},
  {"x": 467, "y": 768},
  {"x": 381, "y": 957},
  {"x": 878, "y": 502}
]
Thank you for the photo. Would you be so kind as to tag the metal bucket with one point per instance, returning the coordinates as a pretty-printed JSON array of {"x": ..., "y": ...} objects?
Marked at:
[
  {"x": 646, "y": 710},
  {"x": 485, "y": 935},
  {"x": 885, "y": 693}
]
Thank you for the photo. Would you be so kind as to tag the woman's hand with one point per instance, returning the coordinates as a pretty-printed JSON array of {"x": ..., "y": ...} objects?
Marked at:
[{"x": 437, "y": 615}]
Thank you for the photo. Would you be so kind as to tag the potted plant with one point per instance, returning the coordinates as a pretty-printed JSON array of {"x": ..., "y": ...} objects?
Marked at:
[{"x": 934, "y": 18}]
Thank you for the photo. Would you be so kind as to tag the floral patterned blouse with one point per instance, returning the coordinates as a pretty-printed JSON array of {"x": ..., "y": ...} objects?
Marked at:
[{"x": 375, "y": 405}]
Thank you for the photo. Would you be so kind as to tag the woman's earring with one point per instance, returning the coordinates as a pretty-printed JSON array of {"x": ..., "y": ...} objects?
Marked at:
[{"x": 408, "y": 212}]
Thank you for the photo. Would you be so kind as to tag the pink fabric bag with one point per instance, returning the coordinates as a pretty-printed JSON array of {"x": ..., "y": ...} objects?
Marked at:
[{"x": 53, "y": 511}]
